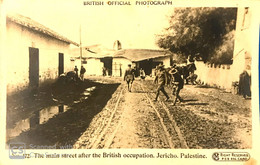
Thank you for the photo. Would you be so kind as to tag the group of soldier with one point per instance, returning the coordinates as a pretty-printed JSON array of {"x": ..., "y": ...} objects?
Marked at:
[{"x": 173, "y": 76}]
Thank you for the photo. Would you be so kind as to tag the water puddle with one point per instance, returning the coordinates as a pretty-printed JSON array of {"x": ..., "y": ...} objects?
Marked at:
[
  {"x": 90, "y": 89},
  {"x": 50, "y": 112},
  {"x": 80, "y": 100},
  {"x": 85, "y": 94},
  {"x": 39, "y": 117},
  {"x": 42, "y": 116}
]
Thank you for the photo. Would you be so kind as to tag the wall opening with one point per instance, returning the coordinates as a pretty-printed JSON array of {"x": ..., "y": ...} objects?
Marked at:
[
  {"x": 148, "y": 65},
  {"x": 61, "y": 63},
  {"x": 33, "y": 67},
  {"x": 107, "y": 64}
]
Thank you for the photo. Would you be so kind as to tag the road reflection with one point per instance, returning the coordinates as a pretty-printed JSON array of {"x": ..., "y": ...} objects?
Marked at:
[{"x": 38, "y": 117}]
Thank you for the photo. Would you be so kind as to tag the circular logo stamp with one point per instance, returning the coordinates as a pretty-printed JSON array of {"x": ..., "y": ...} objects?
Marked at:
[{"x": 215, "y": 156}]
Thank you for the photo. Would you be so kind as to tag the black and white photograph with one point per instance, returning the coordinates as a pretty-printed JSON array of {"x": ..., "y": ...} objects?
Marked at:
[{"x": 117, "y": 75}]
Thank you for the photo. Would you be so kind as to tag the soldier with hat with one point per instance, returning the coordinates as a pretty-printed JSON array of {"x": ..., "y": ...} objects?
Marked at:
[
  {"x": 178, "y": 83},
  {"x": 129, "y": 77},
  {"x": 161, "y": 78},
  {"x": 82, "y": 71}
]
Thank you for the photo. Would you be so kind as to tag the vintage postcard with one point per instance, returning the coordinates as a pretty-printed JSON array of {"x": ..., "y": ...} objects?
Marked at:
[{"x": 140, "y": 81}]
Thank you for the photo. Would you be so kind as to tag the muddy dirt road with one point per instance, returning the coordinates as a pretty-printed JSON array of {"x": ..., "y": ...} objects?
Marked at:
[
  {"x": 111, "y": 117},
  {"x": 208, "y": 118}
]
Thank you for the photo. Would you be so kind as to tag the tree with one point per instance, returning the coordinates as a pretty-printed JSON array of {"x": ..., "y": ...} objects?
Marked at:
[
  {"x": 224, "y": 53},
  {"x": 197, "y": 31}
]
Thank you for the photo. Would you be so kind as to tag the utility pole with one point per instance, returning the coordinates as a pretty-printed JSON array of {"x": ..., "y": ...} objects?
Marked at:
[{"x": 80, "y": 46}]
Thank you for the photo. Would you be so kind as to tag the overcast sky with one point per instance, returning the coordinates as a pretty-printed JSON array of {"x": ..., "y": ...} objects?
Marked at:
[{"x": 134, "y": 26}]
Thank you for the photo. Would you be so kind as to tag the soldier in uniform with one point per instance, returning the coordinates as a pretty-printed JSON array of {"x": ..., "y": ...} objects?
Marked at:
[
  {"x": 155, "y": 74},
  {"x": 82, "y": 71},
  {"x": 129, "y": 77},
  {"x": 77, "y": 75},
  {"x": 178, "y": 80},
  {"x": 142, "y": 74},
  {"x": 190, "y": 69},
  {"x": 161, "y": 78}
]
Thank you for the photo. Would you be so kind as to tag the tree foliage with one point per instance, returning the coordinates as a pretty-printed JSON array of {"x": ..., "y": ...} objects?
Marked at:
[{"x": 200, "y": 31}]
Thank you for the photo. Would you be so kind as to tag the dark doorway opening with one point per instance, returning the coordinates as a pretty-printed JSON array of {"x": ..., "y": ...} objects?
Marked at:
[
  {"x": 61, "y": 63},
  {"x": 107, "y": 64},
  {"x": 148, "y": 65},
  {"x": 33, "y": 67}
]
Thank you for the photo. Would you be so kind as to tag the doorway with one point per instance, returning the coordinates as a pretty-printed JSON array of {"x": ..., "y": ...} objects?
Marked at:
[
  {"x": 107, "y": 64},
  {"x": 61, "y": 63},
  {"x": 148, "y": 65},
  {"x": 33, "y": 67}
]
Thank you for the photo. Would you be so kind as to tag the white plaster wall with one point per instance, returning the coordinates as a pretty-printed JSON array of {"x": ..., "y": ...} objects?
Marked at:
[
  {"x": 94, "y": 67},
  {"x": 219, "y": 76},
  {"x": 75, "y": 63},
  {"x": 124, "y": 65},
  {"x": 18, "y": 41},
  {"x": 243, "y": 48}
]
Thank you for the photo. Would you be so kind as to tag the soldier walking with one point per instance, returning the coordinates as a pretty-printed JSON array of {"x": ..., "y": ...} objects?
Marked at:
[
  {"x": 82, "y": 71},
  {"x": 161, "y": 79},
  {"x": 129, "y": 77},
  {"x": 142, "y": 74},
  {"x": 178, "y": 83},
  {"x": 77, "y": 75},
  {"x": 190, "y": 69}
]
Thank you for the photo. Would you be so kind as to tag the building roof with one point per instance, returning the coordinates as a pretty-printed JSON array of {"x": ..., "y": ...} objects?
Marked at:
[
  {"x": 93, "y": 51},
  {"x": 141, "y": 54},
  {"x": 31, "y": 24}
]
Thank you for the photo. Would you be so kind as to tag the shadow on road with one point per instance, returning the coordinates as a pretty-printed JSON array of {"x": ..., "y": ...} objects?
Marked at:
[
  {"x": 196, "y": 104},
  {"x": 189, "y": 100},
  {"x": 140, "y": 91}
]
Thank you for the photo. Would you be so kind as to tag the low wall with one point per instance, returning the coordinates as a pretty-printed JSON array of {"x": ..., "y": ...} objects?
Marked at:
[{"x": 219, "y": 76}]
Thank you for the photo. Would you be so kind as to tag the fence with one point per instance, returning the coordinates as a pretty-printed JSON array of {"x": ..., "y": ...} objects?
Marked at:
[{"x": 219, "y": 76}]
